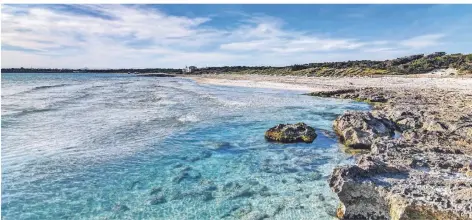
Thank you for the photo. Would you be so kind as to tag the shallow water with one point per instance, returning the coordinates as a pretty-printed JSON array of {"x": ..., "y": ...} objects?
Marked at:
[{"x": 114, "y": 146}]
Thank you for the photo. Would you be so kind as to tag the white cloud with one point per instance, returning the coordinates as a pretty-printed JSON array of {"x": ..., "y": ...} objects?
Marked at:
[
  {"x": 267, "y": 34},
  {"x": 298, "y": 44},
  {"x": 133, "y": 36},
  {"x": 380, "y": 49},
  {"x": 422, "y": 41}
]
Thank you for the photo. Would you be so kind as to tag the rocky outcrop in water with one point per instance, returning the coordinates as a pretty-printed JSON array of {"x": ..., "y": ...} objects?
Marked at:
[
  {"x": 290, "y": 133},
  {"x": 422, "y": 174}
]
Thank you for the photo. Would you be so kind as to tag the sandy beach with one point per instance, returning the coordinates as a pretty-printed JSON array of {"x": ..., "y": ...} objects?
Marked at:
[{"x": 313, "y": 84}]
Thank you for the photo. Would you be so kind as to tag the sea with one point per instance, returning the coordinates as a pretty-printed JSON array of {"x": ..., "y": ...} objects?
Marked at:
[{"x": 119, "y": 146}]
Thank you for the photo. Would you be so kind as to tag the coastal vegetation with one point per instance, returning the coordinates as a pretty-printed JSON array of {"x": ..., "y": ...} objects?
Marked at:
[{"x": 414, "y": 64}]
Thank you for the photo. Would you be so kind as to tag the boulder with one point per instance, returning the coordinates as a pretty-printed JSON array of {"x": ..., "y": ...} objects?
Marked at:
[
  {"x": 290, "y": 133},
  {"x": 358, "y": 129}
]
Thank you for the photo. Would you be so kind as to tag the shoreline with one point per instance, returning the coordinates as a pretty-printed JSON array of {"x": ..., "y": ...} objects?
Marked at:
[
  {"x": 425, "y": 173},
  {"x": 314, "y": 84}
]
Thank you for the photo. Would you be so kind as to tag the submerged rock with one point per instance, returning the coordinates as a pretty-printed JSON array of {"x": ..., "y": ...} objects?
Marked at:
[
  {"x": 220, "y": 146},
  {"x": 268, "y": 166},
  {"x": 255, "y": 215},
  {"x": 238, "y": 211},
  {"x": 187, "y": 173},
  {"x": 244, "y": 192},
  {"x": 207, "y": 196},
  {"x": 358, "y": 129},
  {"x": 230, "y": 186},
  {"x": 120, "y": 208},
  {"x": 197, "y": 156},
  {"x": 290, "y": 133},
  {"x": 135, "y": 185},
  {"x": 155, "y": 190},
  {"x": 159, "y": 199}
]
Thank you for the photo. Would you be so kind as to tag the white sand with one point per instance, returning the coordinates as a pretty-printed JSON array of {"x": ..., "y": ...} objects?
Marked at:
[{"x": 308, "y": 84}]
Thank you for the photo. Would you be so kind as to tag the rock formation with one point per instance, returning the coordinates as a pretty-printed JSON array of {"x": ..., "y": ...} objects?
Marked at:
[
  {"x": 425, "y": 173},
  {"x": 290, "y": 133},
  {"x": 358, "y": 129}
]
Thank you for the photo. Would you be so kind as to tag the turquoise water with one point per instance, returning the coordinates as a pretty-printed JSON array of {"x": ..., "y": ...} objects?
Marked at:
[{"x": 114, "y": 146}]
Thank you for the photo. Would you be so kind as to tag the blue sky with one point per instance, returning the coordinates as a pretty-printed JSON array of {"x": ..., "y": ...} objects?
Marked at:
[{"x": 144, "y": 36}]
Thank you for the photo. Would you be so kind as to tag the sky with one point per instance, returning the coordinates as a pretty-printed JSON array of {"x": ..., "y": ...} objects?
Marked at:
[{"x": 174, "y": 36}]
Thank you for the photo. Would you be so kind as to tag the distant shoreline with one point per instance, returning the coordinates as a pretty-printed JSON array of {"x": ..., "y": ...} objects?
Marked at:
[
  {"x": 314, "y": 84},
  {"x": 91, "y": 72},
  {"x": 450, "y": 64}
]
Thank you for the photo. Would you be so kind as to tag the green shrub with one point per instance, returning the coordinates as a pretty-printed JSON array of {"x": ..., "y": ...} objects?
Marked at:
[{"x": 468, "y": 57}]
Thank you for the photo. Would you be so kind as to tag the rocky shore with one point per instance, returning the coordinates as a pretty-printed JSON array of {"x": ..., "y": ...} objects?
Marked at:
[
  {"x": 414, "y": 147},
  {"x": 420, "y": 160}
]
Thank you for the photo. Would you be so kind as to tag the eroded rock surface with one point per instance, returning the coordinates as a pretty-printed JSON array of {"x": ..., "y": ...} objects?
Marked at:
[
  {"x": 422, "y": 174},
  {"x": 359, "y": 129},
  {"x": 290, "y": 133}
]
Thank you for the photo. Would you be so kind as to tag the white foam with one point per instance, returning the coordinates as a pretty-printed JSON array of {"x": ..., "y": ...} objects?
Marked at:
[{"x": 188, "y": 118}]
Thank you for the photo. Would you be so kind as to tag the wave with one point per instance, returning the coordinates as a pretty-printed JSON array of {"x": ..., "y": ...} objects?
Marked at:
[
  {"x": 232, "y": 103},
  {"x": 31, "y": 111},
  {"x": 188, "y": 118},
  {"x": 38, "y": 88},
  {"x": 47, "y": 87},
  {"x": 50, "y": 107}
]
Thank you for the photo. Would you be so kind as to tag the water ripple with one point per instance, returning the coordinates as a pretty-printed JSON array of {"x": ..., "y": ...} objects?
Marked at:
[{"x": 109, "y": 146}]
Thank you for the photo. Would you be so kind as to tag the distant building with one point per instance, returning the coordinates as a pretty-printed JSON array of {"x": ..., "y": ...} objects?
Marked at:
[{"x": 189, "y": 69}]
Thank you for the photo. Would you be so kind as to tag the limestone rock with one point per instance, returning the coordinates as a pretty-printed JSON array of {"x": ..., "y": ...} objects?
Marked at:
[
  {"x": 331, "y": 93},
  {"x": 398, "y": 189},
  {"x": 423, "y": 173},
  {"x": 290, "y": 133},
  {"x": 358, "y": 129}
]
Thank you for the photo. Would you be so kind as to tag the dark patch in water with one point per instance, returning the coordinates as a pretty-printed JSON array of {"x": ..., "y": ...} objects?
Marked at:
[
  {"x": 47, "y": 87},
  {"x": 38, "y": 88},
  {"x": 134, "y": 185},
  {"x": 31, "y": 111},
  {"x": 327, "y": 133},
  {"x": 295, "y": 107},
  {"x": 330, "y": 116},
  {"x": 52, "y": 107}
]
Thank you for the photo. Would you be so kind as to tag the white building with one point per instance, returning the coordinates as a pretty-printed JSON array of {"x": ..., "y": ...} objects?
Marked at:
[{"x": 189, "y": 69}]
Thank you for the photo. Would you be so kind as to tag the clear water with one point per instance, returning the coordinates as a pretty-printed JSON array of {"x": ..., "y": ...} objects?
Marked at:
[{"x": 114, "y": 146}]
